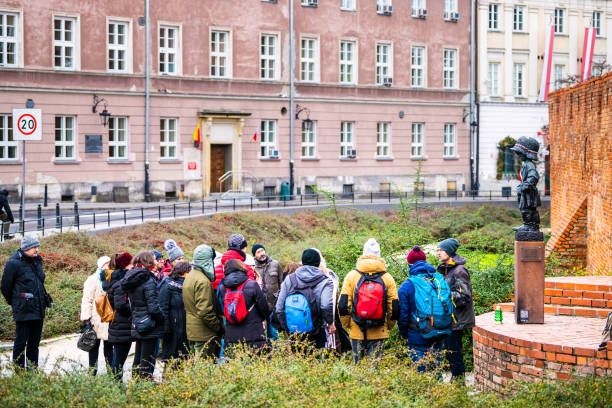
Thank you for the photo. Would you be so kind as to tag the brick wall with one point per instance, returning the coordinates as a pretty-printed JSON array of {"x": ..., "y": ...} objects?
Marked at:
[{"x": 580, "y": 176}]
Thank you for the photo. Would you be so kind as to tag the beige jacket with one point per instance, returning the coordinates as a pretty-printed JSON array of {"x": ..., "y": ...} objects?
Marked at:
[{"x": 91, "y": 289}]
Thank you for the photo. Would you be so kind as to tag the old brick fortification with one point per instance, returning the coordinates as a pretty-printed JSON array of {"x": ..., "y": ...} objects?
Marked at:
[{"x": 581, "y": 175}]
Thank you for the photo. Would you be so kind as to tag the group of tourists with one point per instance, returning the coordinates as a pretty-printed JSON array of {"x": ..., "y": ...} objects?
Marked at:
[{"x": 173, "y": 308}]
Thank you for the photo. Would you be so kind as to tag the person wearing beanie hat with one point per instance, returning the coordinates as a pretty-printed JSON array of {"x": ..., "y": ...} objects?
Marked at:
[
  {"x": 124, "y": 260},
  {"x": 237, "y": 241},
  {"x": 311, "y": 257},
  {"x": 257, "y": 247},
  {"x": 271, "y": 274},
  {"x": 371, "y": 247},
  {"x": 175, "y": 253},
  {"x": 23, "y": 287},
  {"x": 416, "y": 255},
  {"x": 452, "y": 266},
  {"x": 235, "y": 250}
]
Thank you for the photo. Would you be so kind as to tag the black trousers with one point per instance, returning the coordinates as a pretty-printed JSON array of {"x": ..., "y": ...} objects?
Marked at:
[
  {"x": 146, "y": 360},
  {"x": 27, "y": 338},
  {"x": 454, "y": 353},
  {"x": 95, "y": 352},
  {"x": 120, "y": 354}
]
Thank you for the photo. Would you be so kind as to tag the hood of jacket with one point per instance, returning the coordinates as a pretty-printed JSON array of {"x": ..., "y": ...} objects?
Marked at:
[
  {"x": 455, "y": 261},
  {"x": 231, "y": 254},
  {"x": 203, "y": 257},
  {"x": 420, "y": 268},
  {"x": 234, "y": 278},
  {"x": 135, "y": 278},
  {"x": 371, "y": 264},
  {"x": 308, "y": 273}
]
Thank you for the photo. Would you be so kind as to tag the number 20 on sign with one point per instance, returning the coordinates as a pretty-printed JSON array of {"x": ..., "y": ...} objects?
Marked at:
[{"x": 27, "y": 124}]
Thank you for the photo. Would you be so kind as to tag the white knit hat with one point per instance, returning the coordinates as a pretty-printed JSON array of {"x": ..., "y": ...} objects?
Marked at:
[
  {"x": 371, "y": 247},
  {"x": 103, "y": 260}
]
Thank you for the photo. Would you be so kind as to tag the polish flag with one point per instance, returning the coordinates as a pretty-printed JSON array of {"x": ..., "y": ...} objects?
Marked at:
[
  {"x": 587, "y": 53},
  {"x": 545, "y": 80},
  {"x": 255, "y": 136}
]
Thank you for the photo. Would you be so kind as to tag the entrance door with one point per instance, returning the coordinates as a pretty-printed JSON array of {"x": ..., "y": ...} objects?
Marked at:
[{"x": 218, "y": 166}]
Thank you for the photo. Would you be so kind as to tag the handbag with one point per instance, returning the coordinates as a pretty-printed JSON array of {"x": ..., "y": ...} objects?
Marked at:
[
  {"x": 88, "y": 339},
  {"x": 104, "y": 308},
  {"x": 144, "y": 324}
]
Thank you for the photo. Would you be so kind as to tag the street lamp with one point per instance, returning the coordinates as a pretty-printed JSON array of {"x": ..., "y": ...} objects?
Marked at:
[{"x": 104, "y": 115}]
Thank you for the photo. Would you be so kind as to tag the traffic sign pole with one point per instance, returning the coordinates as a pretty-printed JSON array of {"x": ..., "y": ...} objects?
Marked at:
[{"x": 23, "y": 175}]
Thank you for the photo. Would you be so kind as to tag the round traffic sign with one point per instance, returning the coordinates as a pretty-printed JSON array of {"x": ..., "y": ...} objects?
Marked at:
[{"x": 26, "y": 124}]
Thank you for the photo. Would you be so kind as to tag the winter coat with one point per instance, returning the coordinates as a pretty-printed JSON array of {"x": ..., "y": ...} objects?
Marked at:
[
  {"x": 23, "y": 287},
  {"x": 323, "y": 292},
  {"x": 120, "y": 329},
  {"x": 230, "y": 254},
  {"x": 4, "y": 205},
  {"x": 202, "y": 308},
  {"x": 368, "y": 264},
  {"x": 141, "y": 287},
  {"x": 165, "y": 270},
  {"x": 272, "y": 276},
  {"x": 250, "y": 330},
  {"x": 408, "y": 306},
  {"x": 173, "y": 309},
  {"x": 92, "y": 288},
  {"x": 458, "y": 278}
]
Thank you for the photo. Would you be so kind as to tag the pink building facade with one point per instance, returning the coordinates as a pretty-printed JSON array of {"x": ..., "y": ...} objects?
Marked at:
[{"x": 384, "y": 84}]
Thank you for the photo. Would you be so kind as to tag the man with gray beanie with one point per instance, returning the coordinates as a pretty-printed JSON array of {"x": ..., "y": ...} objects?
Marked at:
[{"x": 23, "y": 287}]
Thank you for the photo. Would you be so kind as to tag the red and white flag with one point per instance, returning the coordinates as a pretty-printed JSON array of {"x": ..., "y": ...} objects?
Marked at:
[
  {"x": 545, "y": 80},
  {"x": 587, "y": 52}
]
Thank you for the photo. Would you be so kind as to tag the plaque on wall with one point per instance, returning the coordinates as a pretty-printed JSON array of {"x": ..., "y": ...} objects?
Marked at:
[
  {"x": 531, "y": 254},
  {"x": 93, "y": 143}
]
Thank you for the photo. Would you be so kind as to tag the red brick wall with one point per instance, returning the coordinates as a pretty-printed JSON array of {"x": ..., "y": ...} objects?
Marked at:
[{"x": 581, "y": 175}]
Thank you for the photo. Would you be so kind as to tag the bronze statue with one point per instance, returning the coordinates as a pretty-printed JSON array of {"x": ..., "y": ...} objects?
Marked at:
[{"x": 528, "y": 196}]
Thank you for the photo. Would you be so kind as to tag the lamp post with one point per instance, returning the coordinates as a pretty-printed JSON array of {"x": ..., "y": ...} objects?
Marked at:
[{"x": 291, "y": 97}]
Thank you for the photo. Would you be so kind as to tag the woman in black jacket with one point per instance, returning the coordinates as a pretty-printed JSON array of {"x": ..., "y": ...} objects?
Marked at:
[
  {"x": 173, "y": 309},
  {"x": 250, "y": 330},
  {"x": 147, "y": 318}
]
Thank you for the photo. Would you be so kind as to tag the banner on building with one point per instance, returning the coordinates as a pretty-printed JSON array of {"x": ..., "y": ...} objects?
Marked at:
[
  {"x": 587, "y": 53},
  {"x": 545, "y": 80}
]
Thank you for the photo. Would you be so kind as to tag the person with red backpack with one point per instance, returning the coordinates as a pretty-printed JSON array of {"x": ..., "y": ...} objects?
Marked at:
[
  {"x": 235, "y": 250},
  {"x": 368, "y": 304},
  {"x": 245, "y": 307}
]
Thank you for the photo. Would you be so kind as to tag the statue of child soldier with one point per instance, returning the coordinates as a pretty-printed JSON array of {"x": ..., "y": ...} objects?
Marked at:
[{"x": 528, "y": 196}]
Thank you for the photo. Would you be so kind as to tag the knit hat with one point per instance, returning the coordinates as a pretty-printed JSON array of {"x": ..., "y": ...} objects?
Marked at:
[
  {"x": 173, "y": 250},
  {"x": 236, "y": 241},
  {"x": 256, "y": 247},
  {"x": 203, "y": 257},
  {"x": 371, "y": 247},
  {"x": 124, "y": 260},
  {"x": 311, "y": 257},
  {"x": 29, "y": 242},
  {"x": 158, "y": 255},
  {"x": 103, "y": 260},
  {"x": 416, "y": 255},
  {"x": 449, "y": 246}
]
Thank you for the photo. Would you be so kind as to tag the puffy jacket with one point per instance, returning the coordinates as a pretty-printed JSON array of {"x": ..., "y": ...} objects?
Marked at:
[
  {"x": 23, "y": 287},
  {"x": 230, "y": 254},
  {"x": 272, "y": 275},
  {"x": 368, "y": 264},
  {"x": 92, "y": 288},
  {"x": 120, "y": 329},
  {"x": 408, "y": 306},
  {"x": 173, "y": 309},
  {"x": 323, "y": 292},
  {"x": 250, "y": 330},
  {"x": 4, "y": 205},
  {"x": 141, "y": 287},
  {"x": 458, "y": 278}
]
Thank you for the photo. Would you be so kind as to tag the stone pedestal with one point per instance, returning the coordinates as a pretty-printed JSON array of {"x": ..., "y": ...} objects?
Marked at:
[{"x": 529, "y": 281}]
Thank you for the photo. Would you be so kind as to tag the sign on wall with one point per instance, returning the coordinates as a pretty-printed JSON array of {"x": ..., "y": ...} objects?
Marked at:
[
  {"x": 93, "y": 143},
  {"x": 27, "y": 124}
]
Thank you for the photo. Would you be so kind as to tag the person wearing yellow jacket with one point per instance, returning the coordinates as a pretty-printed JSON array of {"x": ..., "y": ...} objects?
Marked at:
[{"x": 369, "y": 266}]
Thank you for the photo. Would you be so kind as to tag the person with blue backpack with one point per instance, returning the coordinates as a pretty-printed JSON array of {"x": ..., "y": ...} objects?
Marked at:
[{"x": 426, "y": 308}]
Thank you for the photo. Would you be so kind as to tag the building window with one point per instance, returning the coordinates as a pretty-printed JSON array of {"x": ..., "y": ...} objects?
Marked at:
[
  {"x": 9, "y": 148},
  {"x": 383, "y": 139},
  {"x": 64, "y": 44},
  {"x": 418, "y": 5},
  {"x": 118, "y": 33},
  {"x": 450, "y": 8},
  {"x": 169, "y": 52},
  {"x": 220, "y": 55},
  {"x": 417, "y": 67},
  {"x": 519, "y": 80},
  {"x": 346, "y": 139},
  {"x": 168, "y": 142},
  {"x": 449, "y": 140},
  {"x": 8, "y": 40},
  {"x": 493, "y": 79},
  {"x": 117, "y": 138},
  {"x": 519, "y": 19},
  {"x": 559, "y": 21},
  {"x": 450, "y": 66},
  {"x": 558, "y": 74},
  {"x": 597, "y": 68},
  {"x": 493, "y": 16},
  {"x": 347, "y": 5},
  {"x": 597, "y": 23},
  {"x": 309, "y": 141},
  {"x": 347, "y": 62},
  {"x": 64, "y": 137},
  {"x": 268, "y": 139},
  {"x": 309, "y": 66},
  {"x": 383, "y": 6},
  {"x": 268, "y": 58},
  {"x": 384, "y": 63},
  {"x": 417, "y": 140}
]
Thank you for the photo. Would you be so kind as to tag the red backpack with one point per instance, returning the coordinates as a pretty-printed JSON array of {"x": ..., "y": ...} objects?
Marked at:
[
  {"x": 370, "y": 301},
  {"x": 234, "y": 306}
]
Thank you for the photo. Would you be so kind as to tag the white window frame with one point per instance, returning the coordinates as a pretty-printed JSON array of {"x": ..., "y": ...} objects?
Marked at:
[
  {"x": 450, "y": 6},
  {"x": 417, "y": 145},
  {"x": 557, "y": 76},
  {"x": 494, "y": 16},
  {"x": 268, "y": 141},
  {"x": 63, "y": 144},
  {"x": 306, "y": 61},
  {"x": 493, "y": 78},
  {"x": 227, "y": 54},
  {"x": 17, "y": 39},
  {"x": 347, "y": 138},
  {"x": 176, "y": 51},
  {"x": 559, "y": 19},
  {"x": 127, "y": 48},
  {"x": 383, "y": 139},
  {"x": 164, "y": 143},
  {"x": 450, "y": 140},
  {"x": 596, "y": 21},
  {"x": 418, "y": 5},
  {"x": 416, "y": 68},
  {"x": 450, "y": 74},
  {"x": 309, "y": 141},
  {"x": 518, "y": 80},
  {"x": 518, "y": 19},
  {"x": 348, "y": 5},
  {"x": 382, "y": 3},
  {"x": 352, "y": 63},
  {"x": 5, "y": 144},
  {"x": 74, "y": 43},
  {"x": 271, "y": 61},
  {"x": 116, "y": 144},
  {"x": 381, "y": 67}
]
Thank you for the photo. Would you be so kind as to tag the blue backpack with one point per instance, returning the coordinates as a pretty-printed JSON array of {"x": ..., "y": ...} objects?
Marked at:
[
  {"x": 302, "y": 313},
  {"x": 433, "y": 314}
]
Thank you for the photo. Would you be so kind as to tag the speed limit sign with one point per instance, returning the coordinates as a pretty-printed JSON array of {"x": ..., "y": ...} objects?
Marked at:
[{"x": 27, "y": 124}]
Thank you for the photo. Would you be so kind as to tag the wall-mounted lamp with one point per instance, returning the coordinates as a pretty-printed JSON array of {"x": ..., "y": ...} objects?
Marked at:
[
  {"x": 307, "y": 122},
  {"x": 104, "y": 115}
]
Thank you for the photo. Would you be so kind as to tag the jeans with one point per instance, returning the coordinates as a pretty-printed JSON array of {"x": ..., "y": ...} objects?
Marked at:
[
  {"x": 27, "y": 334},
  {"x": 95, "y": 352},
  {"x": 454, "y": 353},
  {"x": 419, "y": 352},
  {"x": 120, "y": 354},
  {"x": 271, "y": 332},
  {"x": 146, "y": 360},
  {"x": 361, "y": 348}
]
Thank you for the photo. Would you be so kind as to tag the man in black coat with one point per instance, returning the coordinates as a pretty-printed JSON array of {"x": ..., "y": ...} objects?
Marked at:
[
  {"x": 6, "y": 214},
  {"x": 23, "y": 287}
]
